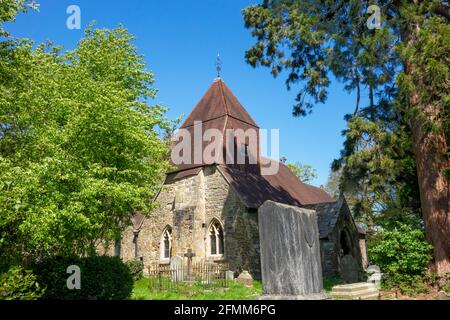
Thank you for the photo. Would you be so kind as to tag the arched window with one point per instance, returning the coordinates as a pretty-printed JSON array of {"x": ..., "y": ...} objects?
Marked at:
[
  {"x": 166, "y": 243},
  {"x": 215, "y": 238}
]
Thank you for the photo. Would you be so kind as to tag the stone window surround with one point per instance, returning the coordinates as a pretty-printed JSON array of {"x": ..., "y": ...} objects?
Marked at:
[
  {"x": 163, "y": 259},
  {"x": 218, "y": 229}
]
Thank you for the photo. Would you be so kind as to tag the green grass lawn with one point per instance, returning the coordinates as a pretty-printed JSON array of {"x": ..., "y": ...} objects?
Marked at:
[{"x": 235, "y": 291}]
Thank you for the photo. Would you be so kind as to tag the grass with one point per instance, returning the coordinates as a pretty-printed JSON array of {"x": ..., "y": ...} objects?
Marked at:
[
  {"x": 235, "y": 291},
  {"x": 330, "y": 282}
]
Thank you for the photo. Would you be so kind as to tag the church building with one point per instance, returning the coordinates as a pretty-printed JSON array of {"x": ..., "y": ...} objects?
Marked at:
[{"x": 212, "y": 209}]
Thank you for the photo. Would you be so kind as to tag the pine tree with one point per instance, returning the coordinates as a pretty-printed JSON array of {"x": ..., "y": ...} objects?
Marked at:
[{"x": 403, "y": 65}]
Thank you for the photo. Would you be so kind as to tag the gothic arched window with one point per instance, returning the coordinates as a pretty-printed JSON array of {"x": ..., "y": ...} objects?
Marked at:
[
  {"x": 216, "y": 238},
  {"x": 166, "y": 243}
]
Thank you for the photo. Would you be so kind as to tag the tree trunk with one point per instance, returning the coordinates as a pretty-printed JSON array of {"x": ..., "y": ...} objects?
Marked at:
[
  {"x": 431, "y": 156},
  {"x": 431, "y": 159}
]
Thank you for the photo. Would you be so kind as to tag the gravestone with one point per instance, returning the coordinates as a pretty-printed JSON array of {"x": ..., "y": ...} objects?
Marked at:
[
  {"x": 374, "y": 275},
  {"x": 176, "y": 266},
  {"x": 290, "y": 251},
  {"x": 229, "y": 275},
  {"x": 245, "y": 278},
  {"x": 349, "y": 269},
  {"x": 189, "y": 255}
]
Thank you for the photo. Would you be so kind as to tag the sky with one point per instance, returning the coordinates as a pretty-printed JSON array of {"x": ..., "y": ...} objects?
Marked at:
[{"x": 180, "y": 40}]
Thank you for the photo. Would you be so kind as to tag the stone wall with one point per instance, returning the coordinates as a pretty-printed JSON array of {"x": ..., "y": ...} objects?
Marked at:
[
  {"x": 329, "y": 258},
  {"x": 240, "y": 225},
  {"x": 331, "y": 248},
  {"x": 188, "y": 206}
]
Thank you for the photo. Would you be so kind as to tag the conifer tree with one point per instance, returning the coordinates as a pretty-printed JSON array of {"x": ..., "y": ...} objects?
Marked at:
[{"x": 402, "y": 64}]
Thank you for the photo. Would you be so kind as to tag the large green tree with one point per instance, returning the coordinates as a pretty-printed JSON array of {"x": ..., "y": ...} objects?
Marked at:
[
  {"x": 403, "y": 66},
  {"x": 80, "y": 143}
]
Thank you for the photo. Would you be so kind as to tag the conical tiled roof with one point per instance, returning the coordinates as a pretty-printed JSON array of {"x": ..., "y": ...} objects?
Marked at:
[
  {"x": 218, "y": 102},
  {"x": 220, "y": 109}
]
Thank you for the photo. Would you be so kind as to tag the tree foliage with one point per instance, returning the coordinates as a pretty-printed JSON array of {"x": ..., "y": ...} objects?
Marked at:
[
  {"x": 304, "y": 172},
  {"x": 403, "y": 255},
  {"x": 80, "y": 146},
  {"x": 19, "y": 284},
  {"x": 101, "y": 278},
  {"x": 403, "y": 68},
  {"x": 9, "y": 10}
]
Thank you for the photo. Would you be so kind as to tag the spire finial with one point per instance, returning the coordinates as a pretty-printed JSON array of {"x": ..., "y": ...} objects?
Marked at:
[{"x": 218, "y": 65}]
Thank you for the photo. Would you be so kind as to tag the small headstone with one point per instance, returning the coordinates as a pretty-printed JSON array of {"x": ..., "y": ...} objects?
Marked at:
[
  {"x": 176, "y": 262},
  {"x": 245, "y": 278},
  {"x": 229, "y": 275},
  {"x": 374, "y": 275},
  {"x": 189, "y": 255},
  {"x": 373, "y": 269},
  {"x": 349, "y": 269},
  {"x": 176, "y": 266}
]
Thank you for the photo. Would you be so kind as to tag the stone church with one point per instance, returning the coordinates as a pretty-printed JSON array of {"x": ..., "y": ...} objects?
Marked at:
[{"x": 212, "y": 209}]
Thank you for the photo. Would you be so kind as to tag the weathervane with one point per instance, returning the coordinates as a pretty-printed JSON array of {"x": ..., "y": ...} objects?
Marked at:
[{"x": 218, "y": 65}]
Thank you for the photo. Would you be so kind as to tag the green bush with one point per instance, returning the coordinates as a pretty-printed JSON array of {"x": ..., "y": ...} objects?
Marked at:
[
  {"x": 403, "y": 255},
  {"x": 330, "y": 282},
  {"x": 102, "y": 277},
  {"x": 136, "y": 267},
  {"x": 19, "y": 284}
]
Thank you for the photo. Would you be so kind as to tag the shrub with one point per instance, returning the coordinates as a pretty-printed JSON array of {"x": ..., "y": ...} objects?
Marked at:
[
  {"x": 19, "y": 284},
  {"x": 102, "y": 277},
  {"x": 330, "y": 282},
  {"x": 136, "y": 267},
  {"x": 403, "y": 255}
]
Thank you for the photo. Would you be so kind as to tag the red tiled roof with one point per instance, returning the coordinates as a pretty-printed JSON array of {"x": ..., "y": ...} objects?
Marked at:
[
  {"x": 284, "y": 187},
  {"x": 217, "y": 109},
  {"x": 218, "y": 102},
  {"x": 221, "y": 110}
]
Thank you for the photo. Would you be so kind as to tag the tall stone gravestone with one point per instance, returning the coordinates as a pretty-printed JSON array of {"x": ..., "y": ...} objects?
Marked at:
[{"x": 290, "y": 250}]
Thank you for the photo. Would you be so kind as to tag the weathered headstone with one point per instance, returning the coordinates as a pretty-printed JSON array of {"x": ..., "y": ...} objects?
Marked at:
[
  {"x": 245, "y": 278},
  {"x": 189, "y": 255},
  {"x": 349, "y": 269},
  {"x": 229, "y": 275},
  {"x": 374, "y": 275},
  {"x": 290, "y": 250},
  {"x": 176, "y": 267}
]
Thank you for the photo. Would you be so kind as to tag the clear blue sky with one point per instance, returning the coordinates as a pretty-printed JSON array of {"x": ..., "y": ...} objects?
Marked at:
[{"x": 180, "y": 40}]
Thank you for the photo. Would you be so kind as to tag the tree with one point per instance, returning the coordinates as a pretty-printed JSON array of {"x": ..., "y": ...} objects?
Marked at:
[
  {"x": 403, "y": 65},
  {"x": 376, "y": 173},
  {"x": 304, "y": 172},
  {"x": 10, "y": 8},
  {"x": 80, "y": 145}
]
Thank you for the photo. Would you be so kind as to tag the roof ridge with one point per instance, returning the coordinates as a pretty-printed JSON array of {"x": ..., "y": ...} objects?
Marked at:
[{"x": 220, "y": 82}]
